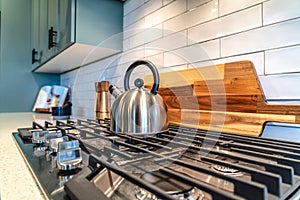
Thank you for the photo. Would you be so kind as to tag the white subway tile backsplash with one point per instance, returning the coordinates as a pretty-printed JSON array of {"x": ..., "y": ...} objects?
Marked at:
[
  {"x": 151, "y": 51},
  {"x": 139, "y": 13},
  {"x": 113, "y": 72},
  {"x": 131, "y": 55},
  {"x": 157, "y": 60},
  {"x": 67, "y": 83},
  {"x": 104, "y": 75},
  {"x": 148, "y": 35},
  {"x": 284, "y": 102},
  {"x": 70, "y": 76},
  {"x": 281, "y": 87},
  {"x": 194, "y": 3},
  {"x": 138, "y": 72},
  {"x": 194, "y": 53},
  {"x": 83, "y": 109},
  {"x": 279, "y": 10},
  {"x": 171, "y": 69},
  {"x": 115, "y": 62},
  {"x": 131, "y": 5},
  {"x": 256, "y": 58},
  {"x": 118, "y": 82},
  {"x": 229, "y": 6},
  {"x": 226, "y": 25},
  {"x": 191, "y": 18},
  {"x": 96, "y": 66},
  {"x": 269, "y": 37},
  {"x": 171, "y": 10},
  {"x": 94, "y": 77},
  {"x": 169, "y": 42},
  {"x": 211, "y": 48},
  {"x": 136, "y": 40},
  {"x": 283, "y": 60},
  {"x": 133, "y": 17},
  {"x": 165, "y": 2},
  {"x": 153, "y": 33},
  {"x": 88, "y": 69},
  {"x": 152, "y": 6},
  {"x": 202, "y": 64},
  {"x": 135, "y": 28},
  {"x": 126, "y": 44},
  {"x": 173, "y": 58}
]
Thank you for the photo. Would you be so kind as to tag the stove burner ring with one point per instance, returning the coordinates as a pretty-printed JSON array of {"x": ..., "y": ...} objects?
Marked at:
[
  {"x": 227, "y": 170},
  {"x": 171, "y": 186},
  {"x": 193, "y": 194}
]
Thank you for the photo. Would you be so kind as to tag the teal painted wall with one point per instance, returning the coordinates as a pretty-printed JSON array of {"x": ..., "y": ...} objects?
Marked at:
[{"x": 18, "y": 85}]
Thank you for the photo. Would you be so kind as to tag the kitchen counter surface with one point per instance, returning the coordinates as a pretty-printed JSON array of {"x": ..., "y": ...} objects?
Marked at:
[{"x": 16, "y": 181}]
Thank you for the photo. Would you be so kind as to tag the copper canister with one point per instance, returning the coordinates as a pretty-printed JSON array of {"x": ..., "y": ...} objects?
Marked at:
[{"x": 102, "y": 105}]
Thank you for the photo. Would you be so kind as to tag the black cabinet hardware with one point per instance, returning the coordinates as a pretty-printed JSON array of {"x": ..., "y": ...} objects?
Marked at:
[
  {"x": 51, "y": 35},
  {"x": 33, "y": 54}
]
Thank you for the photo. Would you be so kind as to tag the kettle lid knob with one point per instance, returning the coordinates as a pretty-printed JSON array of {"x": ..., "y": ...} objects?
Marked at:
[{"x": 139, "y": 83}]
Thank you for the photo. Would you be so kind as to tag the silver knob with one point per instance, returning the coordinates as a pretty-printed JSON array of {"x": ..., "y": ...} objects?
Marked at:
[{"x": 139, "y": 83}]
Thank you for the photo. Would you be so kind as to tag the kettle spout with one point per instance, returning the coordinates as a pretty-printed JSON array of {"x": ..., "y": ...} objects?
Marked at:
[{"x": 115, "y": 91}]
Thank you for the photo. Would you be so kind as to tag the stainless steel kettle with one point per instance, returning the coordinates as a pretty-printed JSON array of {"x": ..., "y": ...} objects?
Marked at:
[{"x": 138, "y": 111}]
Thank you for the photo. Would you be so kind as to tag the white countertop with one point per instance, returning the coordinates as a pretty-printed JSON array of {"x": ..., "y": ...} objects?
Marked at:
[{"x": 16, "y": 181}]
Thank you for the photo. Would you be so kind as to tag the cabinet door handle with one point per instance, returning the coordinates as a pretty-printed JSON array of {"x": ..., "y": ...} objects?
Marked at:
[
  {"x": 33, "y": 54},
  {"x": 51, "y": 35}
]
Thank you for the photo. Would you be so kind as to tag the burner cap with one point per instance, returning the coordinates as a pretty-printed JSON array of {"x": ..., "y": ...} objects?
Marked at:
[{"x": 166, "y": 183}]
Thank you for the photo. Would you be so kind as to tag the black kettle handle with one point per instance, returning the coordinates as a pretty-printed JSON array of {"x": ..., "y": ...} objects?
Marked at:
[{"x": 153, "y": 69}]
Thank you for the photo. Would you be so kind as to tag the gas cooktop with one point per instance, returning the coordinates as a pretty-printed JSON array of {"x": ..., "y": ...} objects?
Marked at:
[{"x": 82, "y": 159}]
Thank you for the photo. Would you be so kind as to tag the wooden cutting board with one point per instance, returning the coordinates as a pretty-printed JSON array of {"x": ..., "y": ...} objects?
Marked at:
[{"x": 226, "y": 97}]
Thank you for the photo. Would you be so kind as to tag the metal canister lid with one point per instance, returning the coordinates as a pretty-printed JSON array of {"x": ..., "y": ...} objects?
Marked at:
[{"x": 102, "y": 86}]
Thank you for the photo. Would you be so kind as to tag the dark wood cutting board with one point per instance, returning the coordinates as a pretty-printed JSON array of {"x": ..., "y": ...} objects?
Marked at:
[{"x": 226, "y": 97}]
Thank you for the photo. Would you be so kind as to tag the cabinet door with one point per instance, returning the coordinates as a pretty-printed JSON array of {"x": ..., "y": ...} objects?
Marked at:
[
  {"x": 35, "y": 33},
  {"x": 59, "y": 22},
  {"x": 53, "y": 26},
  {"x": 46, "y": 53},
  {"x": 40, "y": 31},
  {"x": 65, "y": 27}
]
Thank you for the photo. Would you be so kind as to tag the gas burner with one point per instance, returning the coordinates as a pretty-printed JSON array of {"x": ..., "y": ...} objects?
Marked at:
[
  {"x": 227, "y": 170},
  {"x": 118, "y": 166},
  {"x": 194, "y": 194},
  {"x": 173, "y": 187}
]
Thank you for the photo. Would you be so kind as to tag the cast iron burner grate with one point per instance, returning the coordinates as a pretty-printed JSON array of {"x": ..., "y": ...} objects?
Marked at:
[{"x": 267, "y": 168}]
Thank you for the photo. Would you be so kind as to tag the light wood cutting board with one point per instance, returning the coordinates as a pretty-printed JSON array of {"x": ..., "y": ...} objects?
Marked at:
[{"x": 226, "y": 97}]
